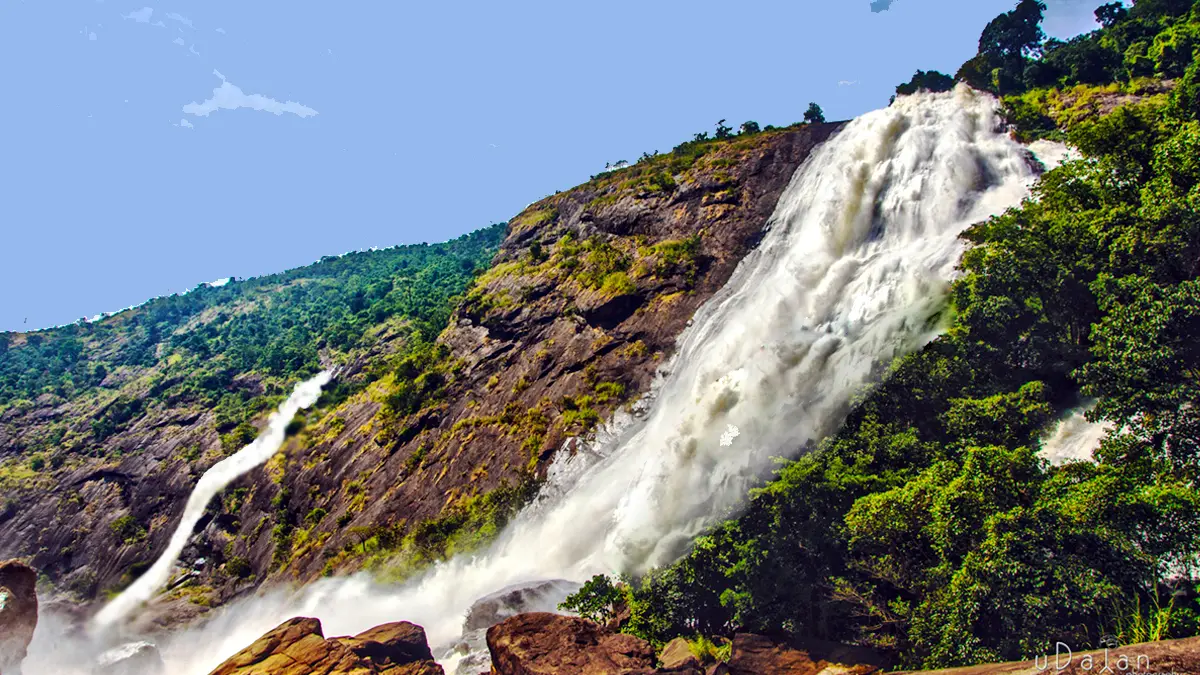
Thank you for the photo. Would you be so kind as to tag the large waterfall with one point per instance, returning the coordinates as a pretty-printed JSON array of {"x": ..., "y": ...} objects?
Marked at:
[{"x": 851, "y": 273}]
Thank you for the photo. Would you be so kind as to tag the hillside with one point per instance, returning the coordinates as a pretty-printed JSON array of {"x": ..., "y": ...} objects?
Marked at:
[
  {"x": 127, "y": 411},
  {"x": 428, "y": 442}
]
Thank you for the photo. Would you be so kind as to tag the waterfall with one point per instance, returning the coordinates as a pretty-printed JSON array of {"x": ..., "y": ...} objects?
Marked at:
[
  {"x": 210, "y": 484},
  {"x": 1073, "y": 438},
  {"x": 851, "y": 273}
]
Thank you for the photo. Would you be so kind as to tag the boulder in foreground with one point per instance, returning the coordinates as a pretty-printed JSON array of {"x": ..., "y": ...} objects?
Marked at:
[
  {"x": 540, "y": 643},
  {"x": 299, "y": 647},
  {"x": 18, "y": 612},
  {"x": 756, "y": 654}
]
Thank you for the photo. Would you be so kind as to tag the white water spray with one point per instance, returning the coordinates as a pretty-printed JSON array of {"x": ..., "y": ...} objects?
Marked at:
[
  {"x": 217, "y": 478},
  {"x": 1074, "y": 438},
  {"x": 855, "y": 264}
]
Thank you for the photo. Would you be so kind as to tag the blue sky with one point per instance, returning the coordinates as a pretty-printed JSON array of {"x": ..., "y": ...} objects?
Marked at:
[{"x": 129, "y": 169}]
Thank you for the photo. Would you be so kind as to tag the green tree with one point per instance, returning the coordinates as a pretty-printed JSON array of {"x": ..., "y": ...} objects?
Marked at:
[
  {"x": 1109, "y": 14},
  {"x": 926, "y": 81},
  {"x": 596, "y": 600},
  {"x": 814, "y": 114},
  {"x": 750, "y": 127}
]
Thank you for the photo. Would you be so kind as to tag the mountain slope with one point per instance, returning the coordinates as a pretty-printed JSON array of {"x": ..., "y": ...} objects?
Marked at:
[
  {"x": 105, "y": 426},
  {"x": 425, "y": 445}
]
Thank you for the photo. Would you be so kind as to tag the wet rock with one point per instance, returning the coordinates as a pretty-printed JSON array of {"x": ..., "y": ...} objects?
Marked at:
[
  {"x": 18, "y": 612},
  {"x": 757, "y": 654},
  {"x": 540, "y": 643},
  {"x": 299, "y": 647},
  {"x": 135, "y": 658},
  {"x": 539, "y": 596}
]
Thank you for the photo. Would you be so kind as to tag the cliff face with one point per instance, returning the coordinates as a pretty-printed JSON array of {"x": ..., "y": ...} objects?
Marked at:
[{"x": 582, "y": 304}]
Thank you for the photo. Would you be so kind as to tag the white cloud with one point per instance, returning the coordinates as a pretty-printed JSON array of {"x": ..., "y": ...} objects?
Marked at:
[
  {"x": 160, "y": 24},
  {"x": 221, "y": 31},
  {"x": 180, "y": 18},
  {"x": 192, "y": 49},
  {"x": 229, "y": 96},
  {"x": 178, "y": 41},
  {"x": 847, "y": 83},
  {"x": 92, "y": 35},
  {"x": 186, "y": 124},
  {"x": 140, "y": 16}
]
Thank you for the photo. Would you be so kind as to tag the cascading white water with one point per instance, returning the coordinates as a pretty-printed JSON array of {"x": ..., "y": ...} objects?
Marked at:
[
  {"x": 217, "y": 478},
  {"x": 1074, "y": 438},
  {"x": 856, "y": 261}
]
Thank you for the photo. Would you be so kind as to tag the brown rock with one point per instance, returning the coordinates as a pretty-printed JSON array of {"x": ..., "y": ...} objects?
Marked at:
[
  {"x": 756, "y": 655},
  {"x": 540, "y": 643},
  {"x": 298, "y": 647},
  {"x": 18, "y": 612},
  {"x": 392, "y": 644},
  {"x": 134, "y": 658},
  {"x": 717, "y": 669},
  {"x": 677, "y": 655}
]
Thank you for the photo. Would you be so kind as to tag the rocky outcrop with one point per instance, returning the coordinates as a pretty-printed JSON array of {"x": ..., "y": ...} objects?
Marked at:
[
  {"x": 757, "y": 654},
  {"x": 299, "y": 647},
  {"x": 18, "y": 612},
  {"x": 517, "y": 599},
  {"x": 545, "y": 644},
  {"x": 134, "y": 658},
  {"x": 540, "y": 643}
]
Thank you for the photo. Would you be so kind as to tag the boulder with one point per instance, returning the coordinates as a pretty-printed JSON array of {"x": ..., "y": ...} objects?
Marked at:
[
  {"x": 299, "y": 647},
  {"x": 757, "y": 654},
  {"x": 392, "y": 644},
  {"x": 18, "y": 612},
  {"x": 135, "y": 658},
  {"x": 516, "y": 599},
  {"x": 677, "y": 656},
  {"x": 540, "y": 643}
]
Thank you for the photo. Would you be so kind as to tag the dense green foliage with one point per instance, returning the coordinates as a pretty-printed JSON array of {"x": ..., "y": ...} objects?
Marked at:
[
  {"x": 814, "y": 114},
  {"x": 191, "y": 348},
  {"x": 1152, "y": 38},
  {"x": 926, "y": 81},
  {"x": 929, "y": 524}
]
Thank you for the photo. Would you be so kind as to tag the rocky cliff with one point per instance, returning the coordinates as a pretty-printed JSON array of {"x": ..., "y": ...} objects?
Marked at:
[{"x": 436, "y": 448}]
